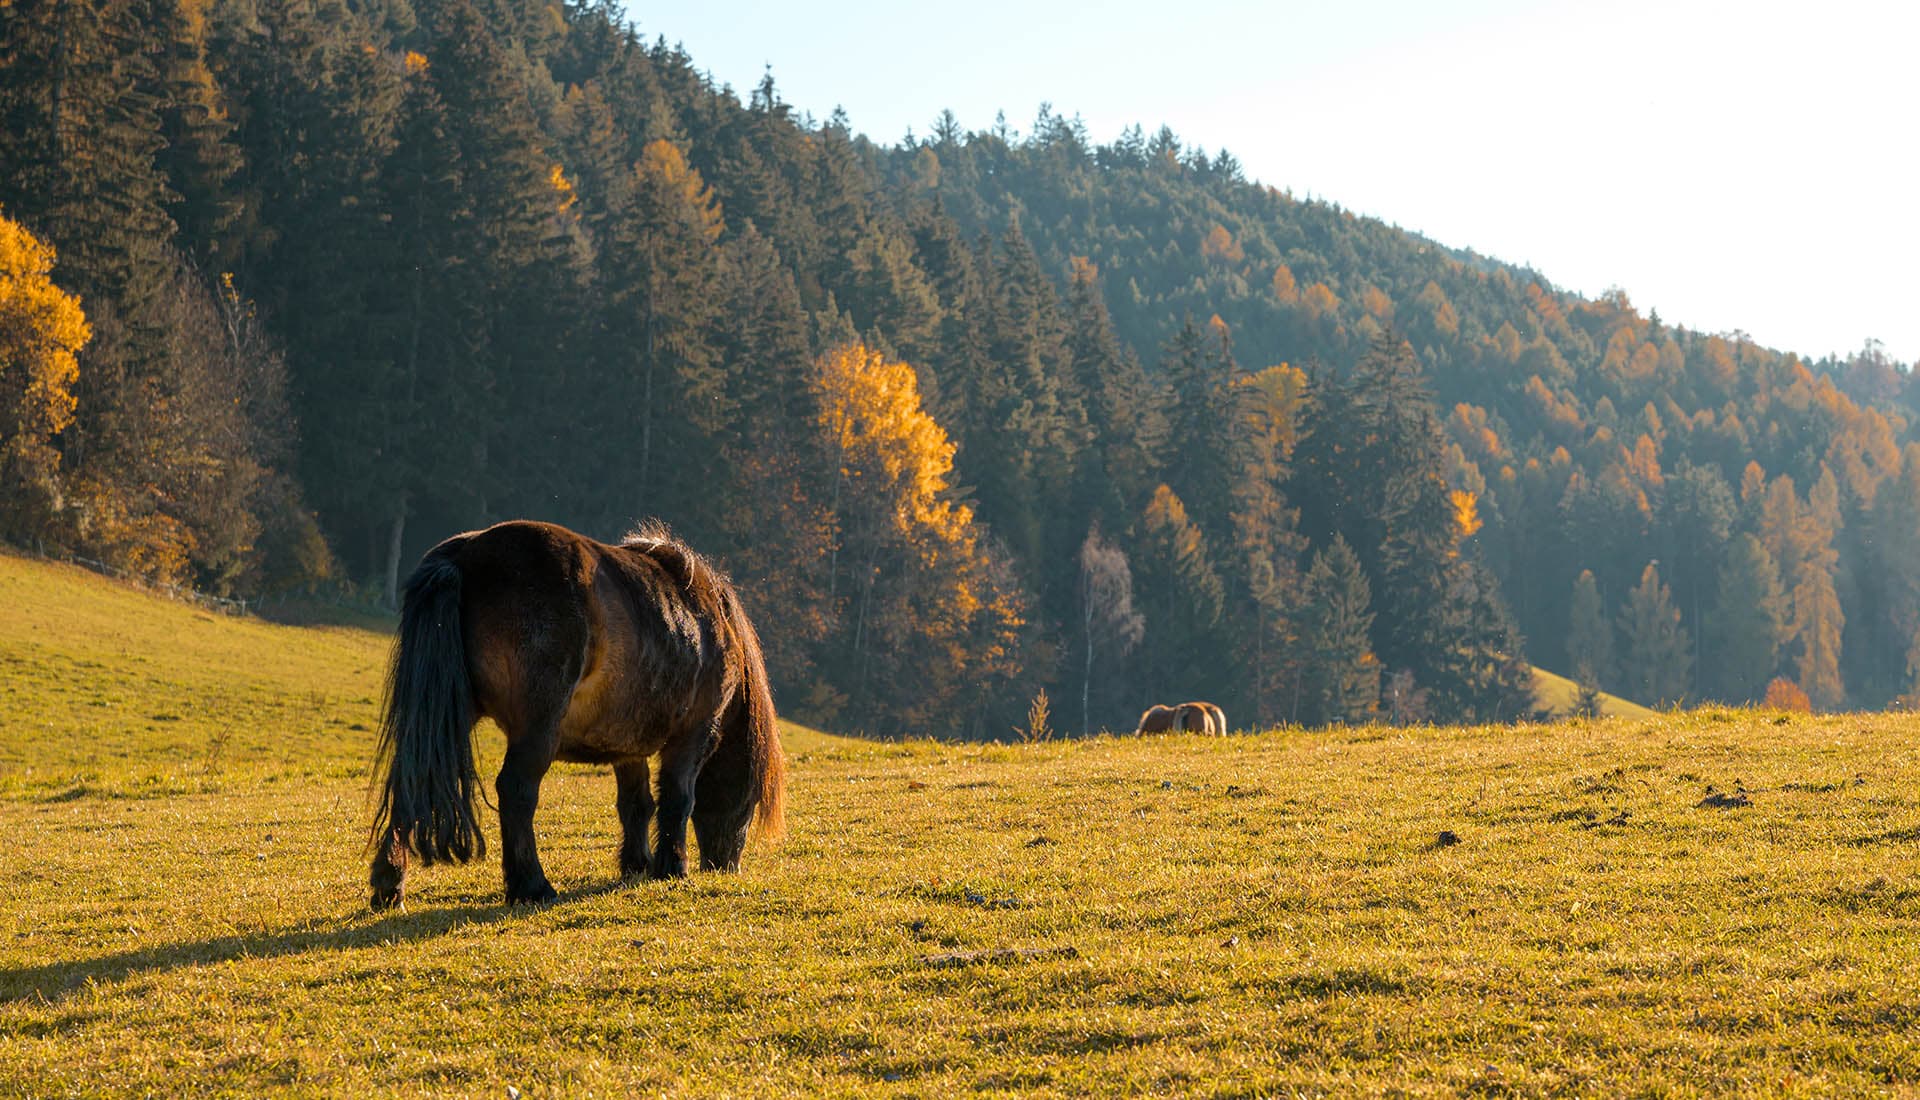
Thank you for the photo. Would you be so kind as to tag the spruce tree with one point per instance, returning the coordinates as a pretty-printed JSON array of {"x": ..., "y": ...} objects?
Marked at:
[
  {"x": 1589, "y": 634},
  {"x": 1748, "y": 623},
  {"x": 1341, "y": 677},
  {"x": 1126, "y": 418},
  {"x": 1180, "y": 592},
  {"x": 1656, "y": 665}
]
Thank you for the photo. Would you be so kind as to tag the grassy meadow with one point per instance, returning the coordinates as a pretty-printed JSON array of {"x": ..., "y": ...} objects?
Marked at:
[{"x": 1723, "y": 901}]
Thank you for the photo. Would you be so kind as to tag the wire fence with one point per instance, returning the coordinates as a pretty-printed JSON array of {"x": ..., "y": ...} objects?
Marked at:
[{"x": 181, "y": 592}]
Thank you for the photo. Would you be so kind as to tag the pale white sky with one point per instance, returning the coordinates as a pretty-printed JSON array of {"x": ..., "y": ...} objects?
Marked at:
[{"x": 1742, "y": 166}]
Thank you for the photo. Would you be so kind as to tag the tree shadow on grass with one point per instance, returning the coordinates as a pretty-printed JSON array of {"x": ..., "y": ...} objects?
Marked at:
[{"x": 53, "y": 981}]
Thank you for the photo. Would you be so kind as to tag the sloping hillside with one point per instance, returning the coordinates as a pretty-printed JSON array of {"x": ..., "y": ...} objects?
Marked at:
[
  {"x": 111, "y": 688},
  {"x": 106, "y": 683},
  {"x": 1556, "y": 693}
]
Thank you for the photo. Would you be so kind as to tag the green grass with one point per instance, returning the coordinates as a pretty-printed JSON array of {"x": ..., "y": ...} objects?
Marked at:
[
  {"x": 1559, "y": 695},
  {"x": 1236, "y": 916}
]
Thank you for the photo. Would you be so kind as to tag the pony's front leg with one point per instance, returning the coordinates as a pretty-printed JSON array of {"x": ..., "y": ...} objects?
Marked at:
[
  {"x": 387, "y": 877},
  {"x": 634, "y": 801},
  {"x": 518, "y": 787}
]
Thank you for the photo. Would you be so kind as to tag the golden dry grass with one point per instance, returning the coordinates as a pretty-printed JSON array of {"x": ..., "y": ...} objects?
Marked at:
[{"x": 1526, "y": 911}]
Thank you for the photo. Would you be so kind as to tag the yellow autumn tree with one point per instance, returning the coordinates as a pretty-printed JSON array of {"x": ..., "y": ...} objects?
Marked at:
[
  {"x": 42, "y": 328},
  {"x": 891, "y": 452},
  {"x": 1319, "y": 300},
  {"x": 1285, "y": 290},
  {"x": 1220, "y": 246},
  {"x": 1376, "y": 303},
  {"x": 930, "y": 617},
  {"x": 1439, "y": 309},
  {"x": 1466, "y": 513}
]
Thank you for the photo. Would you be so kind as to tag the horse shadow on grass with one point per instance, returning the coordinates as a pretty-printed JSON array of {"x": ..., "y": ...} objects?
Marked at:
[{"x": 54, "y": 981}]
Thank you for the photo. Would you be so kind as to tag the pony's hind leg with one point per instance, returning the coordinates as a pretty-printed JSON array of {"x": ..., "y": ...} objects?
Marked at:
[
  {"x": 634, "y": 801},
  {"x": 518, "y": 787}
]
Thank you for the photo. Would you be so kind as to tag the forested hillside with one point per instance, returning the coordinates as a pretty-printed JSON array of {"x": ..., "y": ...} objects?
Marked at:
[{"x": 968, "y": 417}]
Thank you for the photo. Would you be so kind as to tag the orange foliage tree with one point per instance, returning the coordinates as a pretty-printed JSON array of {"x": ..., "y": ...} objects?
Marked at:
[
  {"x": 931, "y": 618},
  {"x": 1784, "y": 694},
  {"x": 41, "y": 329}
]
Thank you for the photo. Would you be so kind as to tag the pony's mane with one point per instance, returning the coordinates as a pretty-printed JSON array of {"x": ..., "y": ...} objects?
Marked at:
[
  {"x": 647, "y": 534},
  {"x": 655, "y": 539}
]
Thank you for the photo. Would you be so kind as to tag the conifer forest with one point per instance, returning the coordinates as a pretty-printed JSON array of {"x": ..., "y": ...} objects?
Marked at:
[{"x": 290, "y": 290}]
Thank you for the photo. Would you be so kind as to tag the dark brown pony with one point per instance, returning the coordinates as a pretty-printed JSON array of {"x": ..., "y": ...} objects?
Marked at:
[{"x": 582, "y": 652}]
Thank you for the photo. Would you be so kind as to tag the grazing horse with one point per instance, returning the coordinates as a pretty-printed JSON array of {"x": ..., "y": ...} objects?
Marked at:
[
  {"x": 1194, "y": 718},
  {"x": 1219, "y": 717},
  {"x": 583, "y": 652},
  {"x": 1191, "y": 717},
  {"x": 1156, "y": 719}
]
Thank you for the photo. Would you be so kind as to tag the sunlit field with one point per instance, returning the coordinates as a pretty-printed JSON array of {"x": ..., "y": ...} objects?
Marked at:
[{"x": 1718, "y": 901}]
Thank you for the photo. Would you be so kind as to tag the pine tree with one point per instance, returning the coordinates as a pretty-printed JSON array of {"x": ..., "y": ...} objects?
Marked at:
[
  {"x": 1267, "y": 543},
  {"x": 1697, "y": 514},
  {"x": 1341, "y": 679},
  {"x": 1656, "y": 665},
  {"x": 1589, "y": 633},
  {"x": 1037, "y": 427},
  {"x": 77, "y": 157},
  {"x": 668, "y": 392},
  {"x": 1125, "y": 415},
  {"x": 1200, "y": 375},
  {"x": 1748, "y": 623},
  {"x": 1181, "y": 594},
  {"x": 1816, "y": 626},
  {"x": 1894, "y": 528},
  {"x": 774, "y": 472},
  {"x": 198, "y": 158}
]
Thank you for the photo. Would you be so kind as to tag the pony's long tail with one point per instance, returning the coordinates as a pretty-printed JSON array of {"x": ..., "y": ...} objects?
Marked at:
[
  {"x": 426, "y": 729},
  {"x": 770, "y": 810}
]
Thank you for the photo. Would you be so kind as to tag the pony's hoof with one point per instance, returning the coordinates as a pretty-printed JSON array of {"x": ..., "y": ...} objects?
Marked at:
[
  {"x": 384, "y": 899},
  {"x": 539, "y": 895}
]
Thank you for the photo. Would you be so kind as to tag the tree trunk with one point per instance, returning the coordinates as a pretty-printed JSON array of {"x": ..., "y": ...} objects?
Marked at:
[
  {"x": 646, "y": 416},
  {"x": 393, "y": 552},
  {"x": 1086, "y": 678}
]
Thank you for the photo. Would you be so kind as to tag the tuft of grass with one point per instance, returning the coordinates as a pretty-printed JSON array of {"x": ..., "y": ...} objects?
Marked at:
[
  {"x": 1254, "y": 915},
  {"x": 1037, "y": 727}
]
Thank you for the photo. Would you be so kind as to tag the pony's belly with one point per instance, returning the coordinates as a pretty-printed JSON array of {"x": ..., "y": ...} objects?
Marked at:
[
  {"x": 602, "y": 725},
  {"x": 605, "y": 743}
]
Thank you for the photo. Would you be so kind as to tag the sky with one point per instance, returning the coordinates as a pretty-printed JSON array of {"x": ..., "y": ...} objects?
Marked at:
[{"x": 1747, "y": 167}]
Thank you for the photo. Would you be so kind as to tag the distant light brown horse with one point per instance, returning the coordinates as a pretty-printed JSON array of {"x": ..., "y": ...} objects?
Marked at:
[
  {"x": 1195, "y": 718},
  {"x": 1157, "y": 719},
  {"x": 1219, "y": 717},
  {"x": 1191, "y": 717},
  {"x": 582, "y": 652}
]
